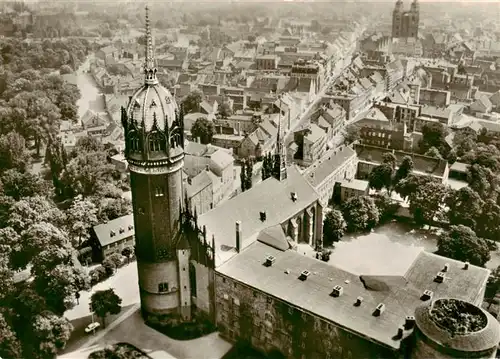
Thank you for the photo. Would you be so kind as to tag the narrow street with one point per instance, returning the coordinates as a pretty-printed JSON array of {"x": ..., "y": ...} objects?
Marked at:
[{"x": 91, "y": 94}]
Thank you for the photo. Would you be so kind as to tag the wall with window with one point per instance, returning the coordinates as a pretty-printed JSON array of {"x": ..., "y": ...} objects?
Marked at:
[
  {"x": 269, "y": 324},
  {"x": 117, "y": 247}
]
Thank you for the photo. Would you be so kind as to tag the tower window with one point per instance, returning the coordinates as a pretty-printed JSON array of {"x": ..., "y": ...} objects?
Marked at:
[
  {"x": 163, "y": 287},
  {"x": 159, "y": 192}
]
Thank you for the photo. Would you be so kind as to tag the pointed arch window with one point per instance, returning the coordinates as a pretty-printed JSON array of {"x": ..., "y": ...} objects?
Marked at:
[
  {"x": 156, "y": 142},
  {"x": 134, "y": 143},
  {"x": 159, "y": 192}
]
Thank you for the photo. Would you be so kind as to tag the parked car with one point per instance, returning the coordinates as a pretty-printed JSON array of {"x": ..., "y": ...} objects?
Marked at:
[{"x": 92, "y": 327}]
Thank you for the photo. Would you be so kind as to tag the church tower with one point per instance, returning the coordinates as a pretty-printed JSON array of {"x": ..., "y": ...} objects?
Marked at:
[
  {"x": 154, "y": 149},
  {"x": 415, "y": 18},
  {"x": 396, "y": 19},
  {"x": 280, "y": 154}
]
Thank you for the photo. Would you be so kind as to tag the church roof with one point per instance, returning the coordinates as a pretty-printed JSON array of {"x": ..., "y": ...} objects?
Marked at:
[
  {"x": 270, "y": 196},
  {"x": 401, "y": 295}
]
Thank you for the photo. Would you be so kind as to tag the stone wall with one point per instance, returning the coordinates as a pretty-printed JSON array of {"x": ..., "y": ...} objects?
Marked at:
[
  {"x": 204, "y": 287},
  {"x": 246, "y": 314},
  {"x": 150, "y": 277}
]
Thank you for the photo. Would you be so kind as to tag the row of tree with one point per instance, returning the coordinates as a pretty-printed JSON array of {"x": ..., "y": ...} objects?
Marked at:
[{"x": 246, "y": 174}]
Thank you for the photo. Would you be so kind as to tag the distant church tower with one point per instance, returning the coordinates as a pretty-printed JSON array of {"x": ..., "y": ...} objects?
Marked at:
[
  {"x": 405, "y": 23},
  {"x": 280, "y": 154},
  {"x": 154, "y": 137}
]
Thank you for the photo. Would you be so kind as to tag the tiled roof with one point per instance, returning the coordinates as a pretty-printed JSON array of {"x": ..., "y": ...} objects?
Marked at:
[
  {"x": 331, "y": 160},
  {"x": 270, "y": 196},
  {"x": 314, "y": 133},
  {"x": 115, "y": 230},
  {"x": 400, "y": 294},
  {"x": 221, "y": 159},
  {"x": 198, "y": 183}
]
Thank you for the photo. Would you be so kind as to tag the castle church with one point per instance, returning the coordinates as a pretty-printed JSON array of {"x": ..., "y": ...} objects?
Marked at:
[
  {"x": 239, "y": 264},
  {"x": 405, "y": 23}
]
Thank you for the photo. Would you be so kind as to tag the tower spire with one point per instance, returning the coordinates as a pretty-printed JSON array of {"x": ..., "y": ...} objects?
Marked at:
[
  {"x": 149, "y": 63},
  {"x": 280, "y": 155}
]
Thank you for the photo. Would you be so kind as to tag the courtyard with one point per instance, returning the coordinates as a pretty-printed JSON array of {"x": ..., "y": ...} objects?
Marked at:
[{"x": 386, "y": 249}]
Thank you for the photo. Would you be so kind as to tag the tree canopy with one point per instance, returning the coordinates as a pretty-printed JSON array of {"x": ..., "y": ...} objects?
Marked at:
[
  {"x": 334, "y": 227},
  {"x": 192, "y": 101},
  {"x": 360, "y": 213},
  {"x": 461, "y": 243},
  {"x": 104, "y": 302},
  {"x": 203, "y": 129}
]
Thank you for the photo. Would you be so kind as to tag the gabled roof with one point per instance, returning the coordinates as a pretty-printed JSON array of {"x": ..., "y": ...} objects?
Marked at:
[{"x": 115, "y": 230}]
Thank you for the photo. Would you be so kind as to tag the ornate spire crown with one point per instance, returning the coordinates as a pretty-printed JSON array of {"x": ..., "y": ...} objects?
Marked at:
[{"x": 150, "y": 63}]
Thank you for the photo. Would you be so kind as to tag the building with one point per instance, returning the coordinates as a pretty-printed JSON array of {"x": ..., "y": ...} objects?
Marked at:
[
  {"x": 250, "y": 279},
  {"x": 335, "y": 166},
  {"x": 311, "y": 144},
  {"x": 267, "y": 62},
  {"x": 353, "y": 188},
  {"x": 377, "y": 130},
  {"x": 113, "y": 236},
  {"x": 405, "y": 23}
]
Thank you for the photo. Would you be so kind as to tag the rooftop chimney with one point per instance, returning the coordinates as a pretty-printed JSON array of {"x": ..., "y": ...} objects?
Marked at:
[
  {"x": 466, "y": 265},
  {"x": 263, "y": 216},
  {"x": 446, "y": 268},
  {"x": 304, "y": 274},
  {"x": 400, "y": 333},
  {"x": 238, "y": 236},
  {"x": 293, "y": 195},
  {"x": 270, "y": 260},
  {"x": 428, "y": 294},
  {"x": 409, "y": 322},
  {"x": 337, "y": 291},
  {"x": 440, "y": 277},
  {"x": 379, "y": 310},
  {"x": 358, "y": 302}
]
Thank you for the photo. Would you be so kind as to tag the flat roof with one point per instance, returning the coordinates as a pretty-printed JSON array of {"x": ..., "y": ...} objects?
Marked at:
[
  {"x": 357, "y": 184},
  {"x": 400, "y": 293},
  {"x": 327, "y": 164}
]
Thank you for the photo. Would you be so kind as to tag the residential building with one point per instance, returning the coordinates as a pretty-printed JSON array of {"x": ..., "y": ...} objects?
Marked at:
[
  {"x": 261, "y": 141},
  {"x": 113, "y": 236},
  {"x": 377, "y": 130},
  {"x": 333, "y": 167},
  {"x": 106, "y": 52},
  {"x": 199, "y": 192},
  {"x": 481, "y": 105},
  {"x": 435, "y": 97},
  {"x": 267, "y": 62},
  {"x": 331, "y": 119},
  {"x": 353, "y": 188},
  {"x": 311, "y": 143}
]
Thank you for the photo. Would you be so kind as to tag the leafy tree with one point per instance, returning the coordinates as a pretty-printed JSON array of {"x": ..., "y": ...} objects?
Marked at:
[
  {"x": 109, "y": 265},
  {"x": 203, "y": 129},
  {"x": 433, "y": 152},
  {"x": 225, "y": 109},
  {"x": 10, "y": 347},
  {"x": 65, "y": 69},
  {"x": 87, "y": 144},
  {"x": 127, "y": 252},
  {"x": 49, "y": 334},
  {"x": 57, "y": 158},
  {"x": 410, "y": 184},
  {"x": 81, "y": 217},
  {"x": 452, "y": 157},
  {"x": 461, "y": 243},
  {"x": 6, "y": 204},
  {"x": 387, "y": 208},
  {"x": 360, "y": 213},
  {"x": 104, "y": 302},
  {"x": 487, "y": 156},
  {"x": 427, "y": 202},
  {"x": 192, "y": 101},
  {"x": 32, "y": 210},
  {"x": 116, "y": 258},
  {"x": 464, "y": 141},
  {"x": 390, "y": 159},
  {"x": 381, "y": 176},
  {"x": 18, "y": 185},
  {"x": 352, "y": 133},
  {"x": 87, "y": 173},
  {"x": 267, "y": 166},
  {"x": 13, "y": 153},
  {"x": 97, "y": 275},
  {"x": 493, "y": 286},
  {"x": 404, "y": 170},
  {"x": 482, "y": 180},
  {"x": 464, "y": 206},
  {"x": 112, "y": 208},
  {"x": 488, "y": 220},
  {"x": 433, "y": 135},
  {"x": 334, "y": 227}
]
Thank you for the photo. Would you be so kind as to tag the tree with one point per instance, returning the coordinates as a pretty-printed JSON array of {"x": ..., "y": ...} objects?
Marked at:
[
  {"x": 390, "y": 159},
  {"x": 267, "y": 166},
  {"x": 433, "y": 135},
  {"x": 433, "y": 152},
  {"x": 49, "y": 334},
  {"x": 104, "y": 302},
  {"x": 109, "y": 265},
  {"x": 127, "y": 252},
  {"x": 249, "y": 174},
  {"x": 464, "y": 206},
  {"x": 32, "y": 210},
  {"x": 404, "y": 170},
  {"x": 387, "y": 208},
  {"x": 493, "y": 286},
  {"x": 488, "y": 220},
  {"x": 334, "y": 227},
  {"x": 81, "y": 217},
  {"x": 243, "y": 176},
  {"x": 116, "y": 259},
  {"x": 112, "y": 208},
  {"x": 192, "y": 101},
  {"x": 87, "y": 144},
  {"x": 57, "y": 158},
  {"x": 360, "y": 213},
  {"x": 410, "y": 184},
  {"x": 13, "y": 153},
  {"x": 65, "y": 69},
  {"x": 203, "y": 129},
  {"x": 380, "y": 177},
  {"x": 482, "y": 180},
  {"x": 427, "y": 202},
  {"x": 464, "y": 141},
  {"x": 10, "y": 347},
  {"x": 461, "y": 243},
  {"x": 225, "y": 109},
  {"x": 18, "y": 185},
  {"x": 352, "y": 133}
]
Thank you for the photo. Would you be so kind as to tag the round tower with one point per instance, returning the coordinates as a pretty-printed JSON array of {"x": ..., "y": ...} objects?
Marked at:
[
  {"x": 452, "y": 328},
  {"x": 154, "y": 149}
]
